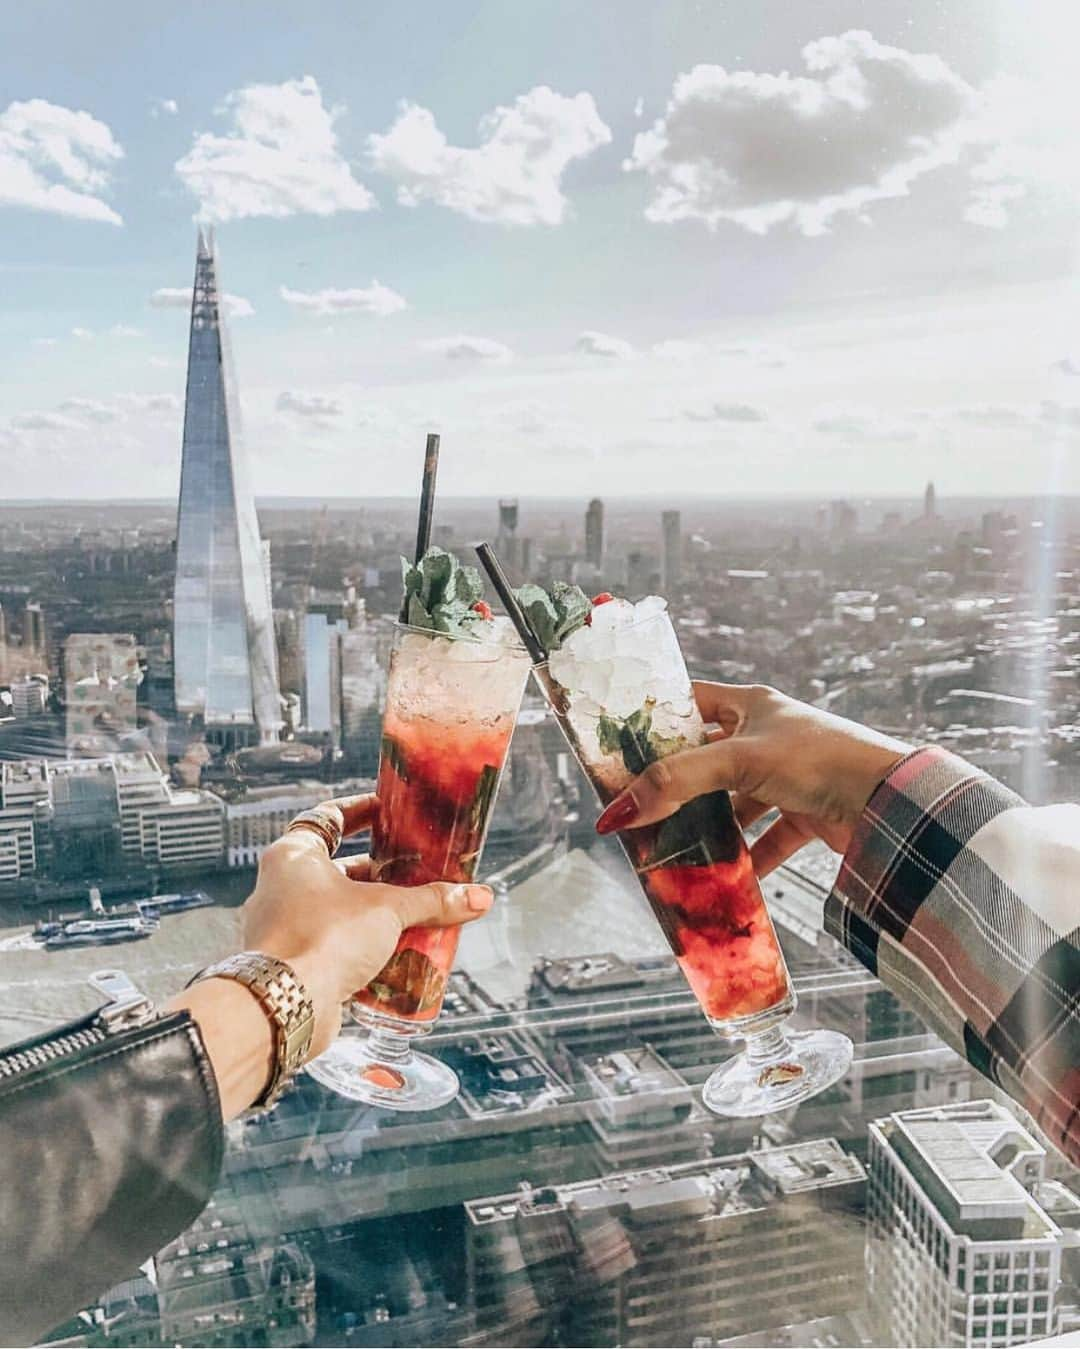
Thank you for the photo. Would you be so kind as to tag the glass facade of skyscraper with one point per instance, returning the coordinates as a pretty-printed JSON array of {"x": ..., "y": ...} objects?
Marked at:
[{"x": 225, "y": 663}]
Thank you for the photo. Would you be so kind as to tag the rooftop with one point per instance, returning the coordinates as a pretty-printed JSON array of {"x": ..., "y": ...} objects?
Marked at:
[
  {"x": 716, "y": 1188},
  {"x": 968, "y": 1159}
]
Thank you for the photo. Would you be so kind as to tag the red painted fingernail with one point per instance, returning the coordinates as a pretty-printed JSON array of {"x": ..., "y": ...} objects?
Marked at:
[{"x": 618, "y": 815}]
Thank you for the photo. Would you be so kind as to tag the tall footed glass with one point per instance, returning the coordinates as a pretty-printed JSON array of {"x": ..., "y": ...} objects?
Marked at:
[
  {"x": 622, "y": 695},
  {"x": 451, "y": 705}
]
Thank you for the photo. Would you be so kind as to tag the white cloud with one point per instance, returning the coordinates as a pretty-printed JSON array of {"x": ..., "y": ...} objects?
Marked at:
[
  {"x": 164, "y": 107},
  {"x": 600, "y": 344},
  {"x": 151, "y": 402},
  {"x": 314, "y": 405},
  {"x": 994, "y": 415},
  {"x": 279, "y": 158},
  {"x": 83, "y": 334},
  {"x": 1068, "y": 365},
  {"x": 90, "y": 409},
  {"x": 58, "y": 160},
  {"x": 760, "y": 149},
  {"x": 727, "y": 412},
  {"x": 639, "y": 107},
  {"x": 513, "y": 177},
  {"x": 374, "y": 299},
  {"x": 43, "y": 421},
  {"x": 124, "y": 330},
  {"x": 463, "y": 348},
  {"x": 179, "y": 297},
  {"x": 674, "y": 349},
  {"x": 862, "y": 424},
  {"x": 45, "y": 341}
]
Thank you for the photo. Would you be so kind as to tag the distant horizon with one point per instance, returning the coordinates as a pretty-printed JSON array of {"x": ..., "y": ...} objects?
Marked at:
[{"x": 661, "y": 501}]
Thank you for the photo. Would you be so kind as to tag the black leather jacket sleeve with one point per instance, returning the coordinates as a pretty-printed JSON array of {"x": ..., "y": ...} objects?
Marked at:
[{"x": 109, "y": 1148}]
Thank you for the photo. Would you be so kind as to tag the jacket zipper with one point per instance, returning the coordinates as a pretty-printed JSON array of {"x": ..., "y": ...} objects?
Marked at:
[{"x": 127, "y": 1007}]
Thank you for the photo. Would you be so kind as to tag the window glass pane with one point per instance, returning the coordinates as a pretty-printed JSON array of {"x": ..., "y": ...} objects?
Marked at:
[{"x": 760, "y": 316}]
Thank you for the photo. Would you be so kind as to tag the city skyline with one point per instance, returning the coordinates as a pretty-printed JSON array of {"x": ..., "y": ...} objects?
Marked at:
[{"x": 897, "y": 309}]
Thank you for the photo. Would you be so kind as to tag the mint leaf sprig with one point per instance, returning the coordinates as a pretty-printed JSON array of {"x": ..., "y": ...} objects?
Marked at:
[
  {"x": 440, "y": 593},
  {"x": 555, "y": 616}
]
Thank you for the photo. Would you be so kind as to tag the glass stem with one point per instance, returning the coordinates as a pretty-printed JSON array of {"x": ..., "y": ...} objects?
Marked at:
[
  {"x": 767, "y": 1046},
  {"x": 387, "y": 1046}
]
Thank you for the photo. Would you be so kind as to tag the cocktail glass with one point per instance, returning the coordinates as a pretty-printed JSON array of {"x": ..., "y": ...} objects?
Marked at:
[
  {"x": 621, "y": 693},
  {"x": 451, "y": 705}
]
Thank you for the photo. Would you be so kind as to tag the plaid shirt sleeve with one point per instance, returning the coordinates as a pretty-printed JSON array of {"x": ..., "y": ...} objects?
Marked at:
[{"x": 965, "y": 902}]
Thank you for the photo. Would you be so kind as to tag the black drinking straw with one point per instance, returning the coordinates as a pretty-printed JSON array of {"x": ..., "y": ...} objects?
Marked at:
[
  {"x": 427, "y": 496},
  {"x": 516, "y": 614},
  {"x": 427, "y": 506}
]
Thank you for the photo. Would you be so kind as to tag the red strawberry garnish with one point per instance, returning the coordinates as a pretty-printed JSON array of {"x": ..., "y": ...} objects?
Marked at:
[
  {"x": 482, "y": 608},
  {"x": 605, "y": 597}
]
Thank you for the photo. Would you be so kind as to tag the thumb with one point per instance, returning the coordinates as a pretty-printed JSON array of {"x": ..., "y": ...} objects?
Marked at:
[
  {"x": 439, "y": 904},
  {"x": 669, "y": 783}
]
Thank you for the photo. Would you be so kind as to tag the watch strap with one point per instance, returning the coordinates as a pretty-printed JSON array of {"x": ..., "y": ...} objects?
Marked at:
[{"x": 287, "y": 1004}]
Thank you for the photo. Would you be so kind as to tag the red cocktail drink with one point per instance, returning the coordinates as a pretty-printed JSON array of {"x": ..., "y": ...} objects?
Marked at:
[
  {"x": 451, "y": 703},
  {"x": 619, "y": 687},
  {"x": 436, "y": 787}
]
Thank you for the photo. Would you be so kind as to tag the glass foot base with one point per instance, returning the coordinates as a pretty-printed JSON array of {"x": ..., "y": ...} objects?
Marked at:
[
  {"x": 401, "y": 1080},
  {"x": 777, "y": 1070}
]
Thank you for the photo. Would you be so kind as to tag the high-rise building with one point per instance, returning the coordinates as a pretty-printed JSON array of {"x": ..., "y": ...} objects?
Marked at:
[
  {"x": 929, "y": 503},
  {"x": 960, "y": 1248},
  {"x": 671, "y": 527},
  {"x": 224, "y": 657},
  {"x": 363, "y": 681},
  {"x": 594, "y": 533},
  {"x": 324, "y": 625},
  {"x": 670, "y": 1255},
  {"x": 843, "y": 520},
  {"x": 507, "y": 540},
  {"x": 33, "y": 630},
  {"x": 101, "y": 679},
  {"x": 29, "y": 696}
]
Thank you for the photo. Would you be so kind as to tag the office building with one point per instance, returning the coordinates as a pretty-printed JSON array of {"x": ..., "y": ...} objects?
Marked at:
[
  {"x": 33, "y": 630},
  {"x": 254, "y": 822},
  {"x": 670, "y": 1255},
  {"x": 672, "y": 554},
  {"x": 594, "y": 533},
  {"x": 362, "y": 663},
  {"x": 324, "y": 624},
  {"x": 506, "y": 542},
  {"x": 64, "y": 818},
  {"x": 930, "y": 503},
  {"x": 218, "y": 1287},
  {"x": 101, "y": 680},
  {"x": 959, "y": 1248},
  {"x": 29, "y": 696},
  {"x": 224, "y": 659}
]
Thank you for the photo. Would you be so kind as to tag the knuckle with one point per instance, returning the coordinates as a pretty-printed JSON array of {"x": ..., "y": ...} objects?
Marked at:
[{"x": 659, "y": 777}]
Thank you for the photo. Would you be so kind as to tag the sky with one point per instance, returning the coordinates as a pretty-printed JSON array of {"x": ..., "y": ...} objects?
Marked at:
[{"x": 615, "y": 248}]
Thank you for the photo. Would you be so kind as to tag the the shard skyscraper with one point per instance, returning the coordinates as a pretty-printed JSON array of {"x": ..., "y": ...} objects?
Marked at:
[{"x": 225, "y": 661}]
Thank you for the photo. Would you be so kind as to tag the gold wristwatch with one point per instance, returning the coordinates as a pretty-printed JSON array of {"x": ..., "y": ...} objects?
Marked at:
[{"x": 286, "y": 1002}]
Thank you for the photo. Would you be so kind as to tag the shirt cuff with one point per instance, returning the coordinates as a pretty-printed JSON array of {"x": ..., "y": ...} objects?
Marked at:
[{"x": 914, "y": 826}]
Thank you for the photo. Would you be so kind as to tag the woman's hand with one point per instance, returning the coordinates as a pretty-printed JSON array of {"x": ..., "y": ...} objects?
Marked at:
[
  {"x": 334, "y": 926},
  {"x": 331, "y": 923},
  {"x": 770, "y": 751}
]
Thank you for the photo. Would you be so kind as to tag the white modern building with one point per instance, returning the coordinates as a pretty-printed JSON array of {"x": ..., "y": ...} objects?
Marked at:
[
  {"x": 29, "y": 695},
  {"x": 960, "y": 1249},
  {"x": 253, "y": 824},
  {"x": 153, "y": 821}
]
